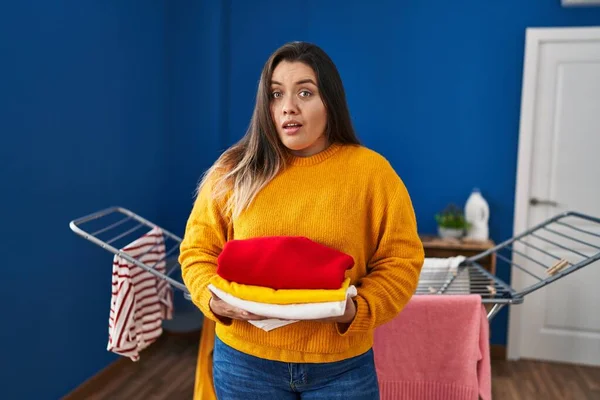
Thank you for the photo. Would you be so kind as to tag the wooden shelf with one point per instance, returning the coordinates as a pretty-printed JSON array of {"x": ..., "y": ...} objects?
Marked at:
[{"x": 437, "y": 247}]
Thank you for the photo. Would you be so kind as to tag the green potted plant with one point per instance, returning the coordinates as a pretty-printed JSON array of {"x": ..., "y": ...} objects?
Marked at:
[{"x": 451, "y": 222}]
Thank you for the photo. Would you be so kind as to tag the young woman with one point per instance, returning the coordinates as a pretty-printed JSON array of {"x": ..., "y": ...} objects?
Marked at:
[{"x": 301, "y": 171}]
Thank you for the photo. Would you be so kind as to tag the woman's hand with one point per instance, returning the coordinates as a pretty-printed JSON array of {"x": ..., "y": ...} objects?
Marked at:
[
  {"x": 223, "y": 309},
  {"x": 348, "y": 316}
]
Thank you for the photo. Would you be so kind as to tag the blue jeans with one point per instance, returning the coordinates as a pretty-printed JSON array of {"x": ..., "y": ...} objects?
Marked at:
[{"x": 239, "y": 376}]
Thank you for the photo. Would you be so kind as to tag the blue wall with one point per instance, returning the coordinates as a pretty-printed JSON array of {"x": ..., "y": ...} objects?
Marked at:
[
  {"x": 433, "y": 85},
  {"x": 196, "y": 68},
  {"x": 82, "y": 122},
  {"x": 196, "y": 53}
]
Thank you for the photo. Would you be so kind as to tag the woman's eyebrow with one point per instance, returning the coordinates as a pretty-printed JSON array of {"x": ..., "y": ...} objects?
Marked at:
[{"x": 300, "y": 82}]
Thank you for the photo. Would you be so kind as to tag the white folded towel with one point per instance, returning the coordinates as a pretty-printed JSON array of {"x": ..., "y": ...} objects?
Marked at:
[
  {"x": 436, "y": 271},
  {"x": 284, "y": 314},
  {"x": 450, "y": 263}
]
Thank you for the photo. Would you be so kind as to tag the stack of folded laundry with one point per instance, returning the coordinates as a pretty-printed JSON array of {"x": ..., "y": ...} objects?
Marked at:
[{"x": 283, "y": 278}]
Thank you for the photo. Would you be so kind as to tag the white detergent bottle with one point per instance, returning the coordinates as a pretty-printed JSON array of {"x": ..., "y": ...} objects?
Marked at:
[{"x": 477, "y": 214}]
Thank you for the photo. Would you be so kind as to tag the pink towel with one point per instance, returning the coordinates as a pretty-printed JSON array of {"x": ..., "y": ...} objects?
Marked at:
[{"x": 437, "y": 348}]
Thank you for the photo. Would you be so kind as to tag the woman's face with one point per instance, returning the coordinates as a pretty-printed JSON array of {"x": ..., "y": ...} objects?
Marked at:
[{"x": 297, "y": 109}]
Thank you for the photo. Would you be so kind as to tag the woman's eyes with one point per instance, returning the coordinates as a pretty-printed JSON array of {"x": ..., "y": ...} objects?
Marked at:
[{"x": 302, "y": 93}]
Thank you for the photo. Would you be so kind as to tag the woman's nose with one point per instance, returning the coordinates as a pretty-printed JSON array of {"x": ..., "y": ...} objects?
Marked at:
[{"x": 289, "y": 106}]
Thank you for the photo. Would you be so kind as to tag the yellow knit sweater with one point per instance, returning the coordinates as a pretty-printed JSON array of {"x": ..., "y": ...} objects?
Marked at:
[{"x": 346, "y": 197}]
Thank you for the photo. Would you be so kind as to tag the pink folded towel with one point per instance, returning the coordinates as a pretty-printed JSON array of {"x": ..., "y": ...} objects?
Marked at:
[{"x": 437, "y": 348}]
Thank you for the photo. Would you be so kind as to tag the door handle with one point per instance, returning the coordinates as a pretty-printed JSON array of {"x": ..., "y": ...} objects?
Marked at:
[{"x": 538, "y": 202}]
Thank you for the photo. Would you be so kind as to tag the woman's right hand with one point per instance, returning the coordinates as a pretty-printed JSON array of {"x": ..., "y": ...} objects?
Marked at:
[{"x": 223, "y": 309}]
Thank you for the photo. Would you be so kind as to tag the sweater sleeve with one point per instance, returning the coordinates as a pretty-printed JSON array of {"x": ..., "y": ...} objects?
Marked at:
[
  {"x": 205, "y": 235},
  {"x": 393, "y": 270}
]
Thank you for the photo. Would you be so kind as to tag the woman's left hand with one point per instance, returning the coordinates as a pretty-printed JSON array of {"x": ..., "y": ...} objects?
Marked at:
[{"x": 348, "y": 314}]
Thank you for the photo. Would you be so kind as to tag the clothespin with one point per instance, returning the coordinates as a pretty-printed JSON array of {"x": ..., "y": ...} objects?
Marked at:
[{"x": 560, "y": 265}]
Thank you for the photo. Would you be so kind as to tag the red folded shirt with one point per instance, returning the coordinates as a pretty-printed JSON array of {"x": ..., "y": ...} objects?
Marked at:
[{"x": 283, "y": 262}]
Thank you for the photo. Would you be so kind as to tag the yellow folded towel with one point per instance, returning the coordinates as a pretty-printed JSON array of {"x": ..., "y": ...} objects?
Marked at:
[{"x": 280, "y": 296}]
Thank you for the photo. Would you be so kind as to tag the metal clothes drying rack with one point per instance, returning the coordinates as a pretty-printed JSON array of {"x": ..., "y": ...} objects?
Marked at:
[{"x": 546, "y": 252}]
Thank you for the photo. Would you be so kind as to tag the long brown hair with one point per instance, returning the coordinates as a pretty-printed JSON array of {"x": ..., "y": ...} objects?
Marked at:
[{"x": 247, "y": 166}]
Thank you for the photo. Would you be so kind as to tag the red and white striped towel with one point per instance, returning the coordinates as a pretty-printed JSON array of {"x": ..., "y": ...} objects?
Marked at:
[{"x": 140, "y": 301}]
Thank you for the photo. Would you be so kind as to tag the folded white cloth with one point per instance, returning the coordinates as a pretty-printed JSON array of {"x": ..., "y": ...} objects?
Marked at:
[
  {"x": 436, "y": 271},
  {"x": 272, "y": 323},
  {"x": 444, "y": 263},
  {"x": 284, "y": 314}
]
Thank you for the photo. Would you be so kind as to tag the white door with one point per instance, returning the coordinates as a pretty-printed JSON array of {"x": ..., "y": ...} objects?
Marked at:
[{"x": 559, "y": 167}]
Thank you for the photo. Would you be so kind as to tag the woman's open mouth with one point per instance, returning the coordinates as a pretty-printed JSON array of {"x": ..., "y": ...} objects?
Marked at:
[{"x": 291, "y": 127}]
